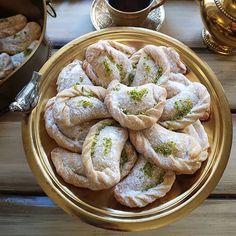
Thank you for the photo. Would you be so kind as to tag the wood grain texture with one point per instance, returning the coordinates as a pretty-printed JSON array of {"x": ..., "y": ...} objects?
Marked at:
[
  {"x": 73, "y": 17},
  {"x": 16, "y": 176},
  {"x": 39, "y": 216}
]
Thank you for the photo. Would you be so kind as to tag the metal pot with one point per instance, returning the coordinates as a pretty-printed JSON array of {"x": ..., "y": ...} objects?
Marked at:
[{"x": 36, "y": 11}]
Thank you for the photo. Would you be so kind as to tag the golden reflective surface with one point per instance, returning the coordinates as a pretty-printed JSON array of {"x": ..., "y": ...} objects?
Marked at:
[
  {"x": 219, "y": 18},
  {"x": 100, "y": 208}
]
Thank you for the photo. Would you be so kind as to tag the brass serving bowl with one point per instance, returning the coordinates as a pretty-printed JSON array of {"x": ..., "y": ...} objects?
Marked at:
[
  {"x": 17, "y": 79},
  {"x": 100, "y": 208}
]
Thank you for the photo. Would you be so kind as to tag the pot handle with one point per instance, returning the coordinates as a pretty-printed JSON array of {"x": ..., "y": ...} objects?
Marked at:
[
  {"x": 52, "y": 11},
  {"x": 157, "y": 4},
  {"x": 27, "y": 98}
]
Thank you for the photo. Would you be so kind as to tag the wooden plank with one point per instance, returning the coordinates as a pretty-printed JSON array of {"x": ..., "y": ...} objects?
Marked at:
[
  {"x": 39, "y": 216},
  {"x": 16, "y": 176},
  {"x": 73, "y": 20},
  {"x": 225, "y": 69}
]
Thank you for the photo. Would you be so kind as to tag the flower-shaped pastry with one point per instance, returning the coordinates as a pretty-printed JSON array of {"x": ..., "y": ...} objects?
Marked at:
[
  {"x": 102, "y": 152},
  {"x": 145, "y": 183},
  {"x": 79, "y": 104},
  {"x": 151, "y": 66},
  {"x": 70, "y": 167},
  {"x": 168, "y": 149},
  {"x": 186, "y": 107},
  {"x": 154, "y": 65},
  {"x": 135, "y": 107},
  {"x": 105, "y": 63},
  {"x": 70, "y": 138},
  {"x": 71, "y": 75}
]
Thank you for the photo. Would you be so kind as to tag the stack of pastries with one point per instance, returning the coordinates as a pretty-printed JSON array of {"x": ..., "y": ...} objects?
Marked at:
[
  {"x": 127, "y": 119},
  {"x": 18, "y": 38}
]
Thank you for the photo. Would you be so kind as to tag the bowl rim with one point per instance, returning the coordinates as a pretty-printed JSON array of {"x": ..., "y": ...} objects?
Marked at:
[{"x": 48, "y": 185}]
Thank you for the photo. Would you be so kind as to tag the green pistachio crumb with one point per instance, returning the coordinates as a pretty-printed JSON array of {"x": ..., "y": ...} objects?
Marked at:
[
  {"x": 134, "y": 66},
  {"x": 141, "y": 112},
  {"x": 123, "y": 158},
  {"x": 148, "y": 169},
  {"x": 159, "y": 181},
  {"x": 122, "y": 72},
  {"x": 116, "y": 88},
  {"x": 27, "y": 52},
  {"x": 125, "y": 111},
  {"x": 85, "y": 104},
  {"x": 81, "y": 79},
  {"x": 107, "y": 144},
  {"x": 147, "y": 68},
  {"x": 166, "y": 149},
  {"x": 158, "y": 75},
  {"x": 17, "y": 35},
  {"x": 183, "y": 107},
  {"x": 107, "y": 67},
  {"x": 137, "y": 95},
  {"x": 105, "y": 124}
]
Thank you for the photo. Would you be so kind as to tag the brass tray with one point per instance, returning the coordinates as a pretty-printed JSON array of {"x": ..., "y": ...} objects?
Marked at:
[{"x": 100, "y": 208}]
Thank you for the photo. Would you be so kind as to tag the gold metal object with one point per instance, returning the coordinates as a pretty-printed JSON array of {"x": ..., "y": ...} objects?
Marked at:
[
  {"x": 100, "y": 208},
  {"x": 219, "y": 18},
  {"x": 101, "y": 17}
]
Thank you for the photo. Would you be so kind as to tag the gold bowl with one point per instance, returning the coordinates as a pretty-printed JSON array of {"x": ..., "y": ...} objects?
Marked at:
[{"x": 100, "y": 208}]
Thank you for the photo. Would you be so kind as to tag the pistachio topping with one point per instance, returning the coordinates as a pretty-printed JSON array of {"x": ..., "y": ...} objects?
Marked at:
[
  {"x": 85, "y": 104},
  {"x": 137, "y": 95},
  {"x": 166, "y": 149},
  {"x": 158, "y": 75},
  {"x": 182, "y": 107},
  {"x": 148, "y": 169},
  {"x": 27, "y": 52},
  {"x": 159, "y": 181},
  {"x": 107, "y": 67},
  {"x": 123, "y": 158},
  {"x": 116, "y": 88},
  {"x": 81, "y": 79},
  {"x": 105, "y": 124},
  {"x": 147, "y": 68},
  {"x": 107, "y": 144},
  {"x": 125, "y": 111},
  {"x": 121, "y": 71}
]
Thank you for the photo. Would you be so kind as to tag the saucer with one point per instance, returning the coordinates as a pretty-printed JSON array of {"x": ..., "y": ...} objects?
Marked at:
[{"x": 101, "y": 18}]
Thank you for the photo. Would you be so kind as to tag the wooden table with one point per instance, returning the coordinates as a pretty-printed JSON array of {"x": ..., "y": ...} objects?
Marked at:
[{"x": 24, "y": 208}]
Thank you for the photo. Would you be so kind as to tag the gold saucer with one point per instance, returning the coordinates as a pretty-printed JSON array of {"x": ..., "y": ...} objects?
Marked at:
[{"x": 101, "y": 18}]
